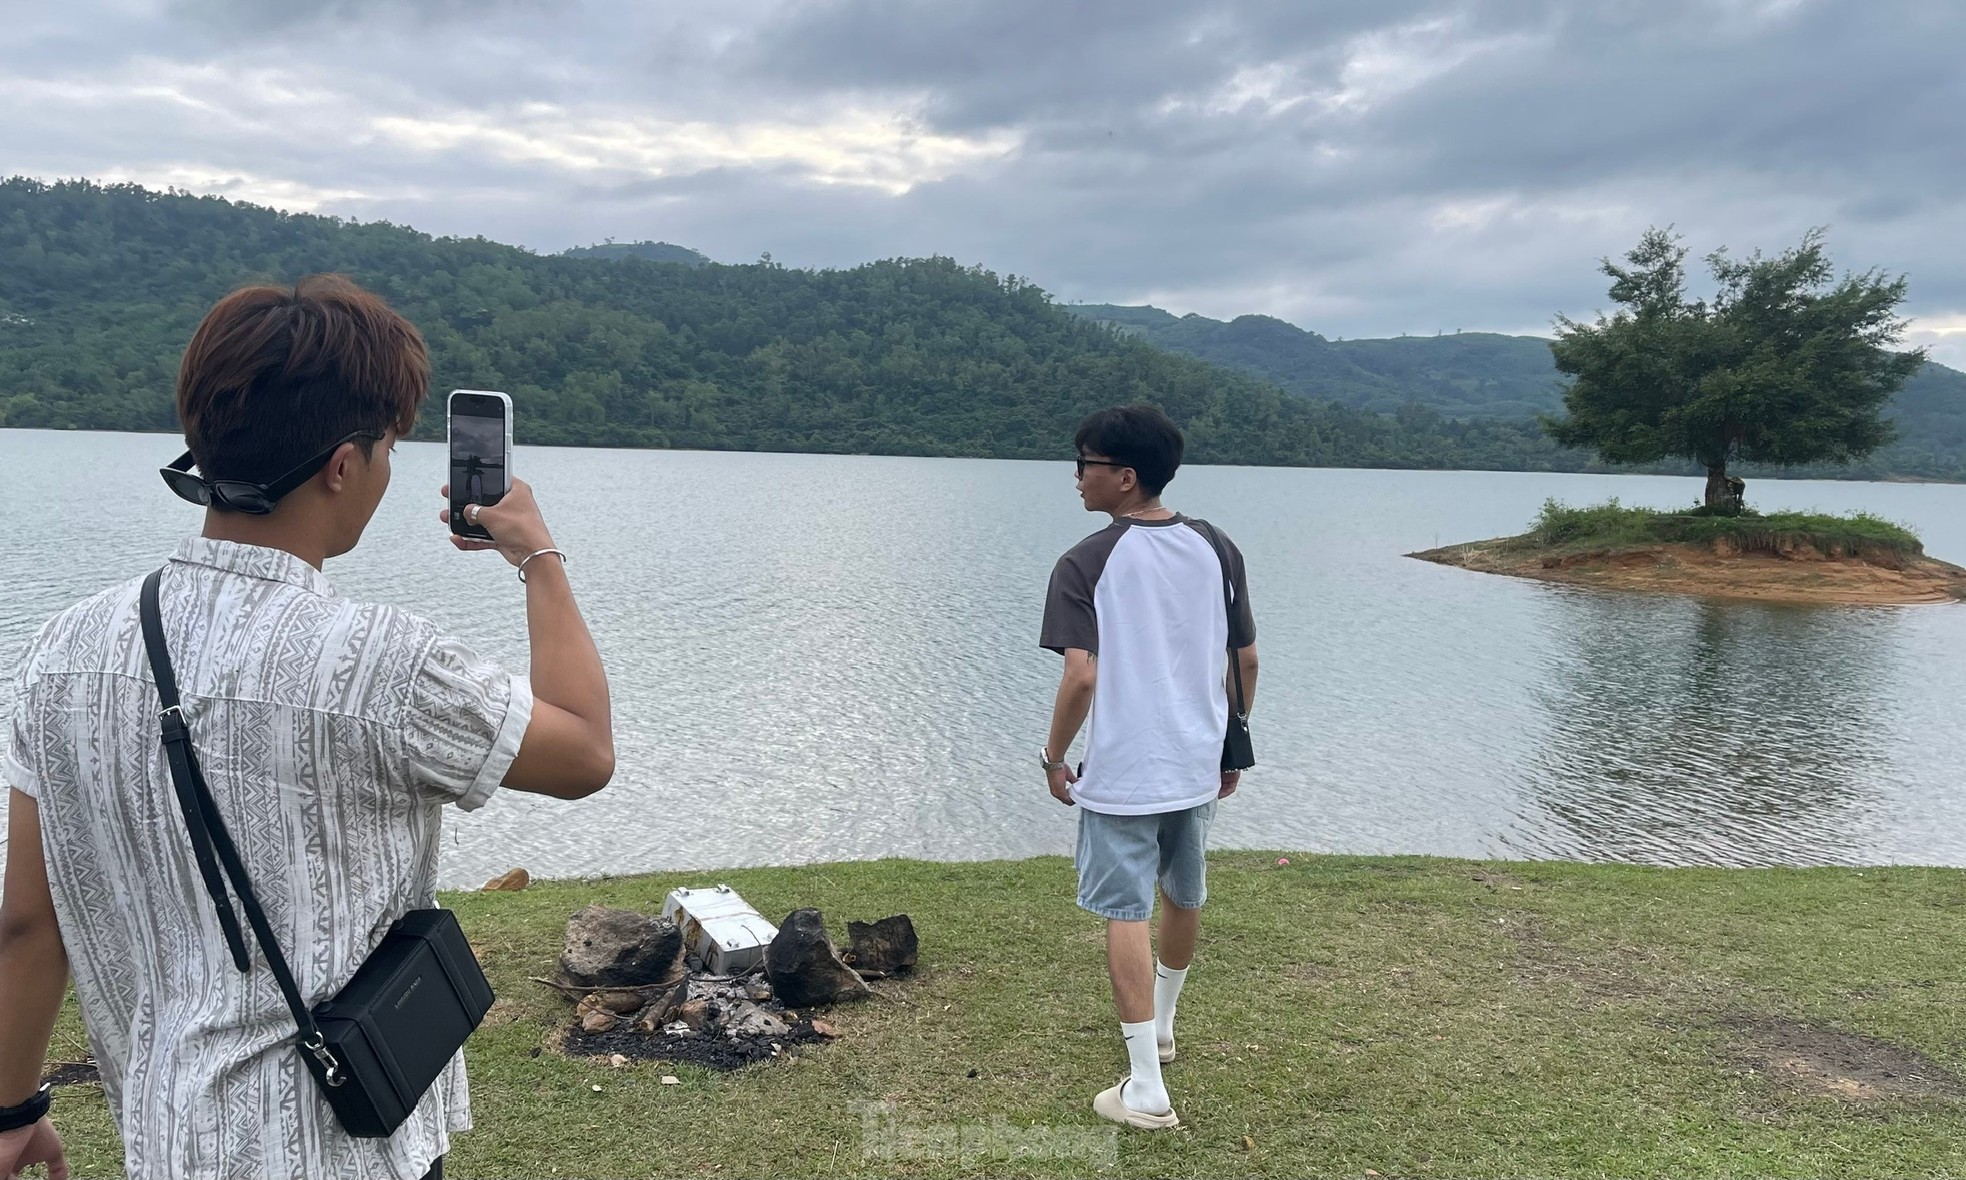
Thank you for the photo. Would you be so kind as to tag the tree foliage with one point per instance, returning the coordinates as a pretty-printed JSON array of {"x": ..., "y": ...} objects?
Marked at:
[
  {"x": 652, "y": 251},
  {"x": 1485, "y": 375},
  {"x": 100, "y": 286},
  {"x": 1785, "y": 365}
]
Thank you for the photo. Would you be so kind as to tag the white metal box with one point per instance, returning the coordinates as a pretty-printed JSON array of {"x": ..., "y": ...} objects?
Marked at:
[{"x": 721, "y": 927}]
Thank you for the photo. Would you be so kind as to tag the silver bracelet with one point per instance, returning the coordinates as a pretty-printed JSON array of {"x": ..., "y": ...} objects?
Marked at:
[{"x": 539, "y": 553}]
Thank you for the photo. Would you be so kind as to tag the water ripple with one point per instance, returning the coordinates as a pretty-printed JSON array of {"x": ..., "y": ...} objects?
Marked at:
[{"x": 818, "y": 658}]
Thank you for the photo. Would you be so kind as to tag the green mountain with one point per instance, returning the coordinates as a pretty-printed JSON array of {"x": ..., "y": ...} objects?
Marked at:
[
  {"x": 647, "y": 251},
  {"x": 1475, "y": 375},
  {"x": 1466, "y": 375},
  {"x": 100, "y": 286}
]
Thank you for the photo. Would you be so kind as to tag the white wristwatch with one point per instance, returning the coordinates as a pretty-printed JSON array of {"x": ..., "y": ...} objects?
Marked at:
[{"x": 1044, "y": 760}]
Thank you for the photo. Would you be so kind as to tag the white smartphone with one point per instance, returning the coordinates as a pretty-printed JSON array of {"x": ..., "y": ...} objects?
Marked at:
[{"x": 481, "y": 453}]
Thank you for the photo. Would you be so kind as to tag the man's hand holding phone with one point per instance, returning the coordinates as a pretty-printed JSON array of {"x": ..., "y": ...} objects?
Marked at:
[
  {"x": 568, "y": 748},
  {"x": 517, "y": 528}
]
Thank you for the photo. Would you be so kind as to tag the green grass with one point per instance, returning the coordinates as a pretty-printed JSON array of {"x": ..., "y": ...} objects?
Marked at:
[
  {"x": 1416, "y": 1017},
  {"x": 1612, "y": 525}
]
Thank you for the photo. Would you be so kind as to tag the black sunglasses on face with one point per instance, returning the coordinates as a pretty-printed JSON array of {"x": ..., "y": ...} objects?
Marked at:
[
  {"x": 239, "y": 495},
  {"x": 1085, "y": 463}
]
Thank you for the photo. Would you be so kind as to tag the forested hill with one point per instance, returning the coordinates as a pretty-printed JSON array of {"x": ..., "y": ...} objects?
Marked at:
[
  {"x": 1482, "y": 374},
  {"x": 651, "y": 251},
  {"x": 1473, "y": 374},
  {"x": 101, "y": 286}
]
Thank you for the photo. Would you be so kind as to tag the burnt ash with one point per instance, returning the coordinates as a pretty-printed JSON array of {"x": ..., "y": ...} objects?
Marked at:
[{"x": 713, "y": 1050}]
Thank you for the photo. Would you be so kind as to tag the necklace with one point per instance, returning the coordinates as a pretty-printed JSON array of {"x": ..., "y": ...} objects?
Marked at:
[{"x": 1150, "y": 508}]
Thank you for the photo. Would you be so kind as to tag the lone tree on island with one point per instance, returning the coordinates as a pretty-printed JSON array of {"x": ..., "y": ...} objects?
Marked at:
[{"x": 1782, "y": 367}]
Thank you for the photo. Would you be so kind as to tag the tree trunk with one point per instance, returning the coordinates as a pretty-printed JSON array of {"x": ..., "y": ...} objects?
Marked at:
[{"x": 1724, "y": 493}]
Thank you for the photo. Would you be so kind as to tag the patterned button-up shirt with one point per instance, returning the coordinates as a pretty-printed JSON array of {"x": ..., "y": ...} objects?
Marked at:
[{"x": 332, "y": 734}]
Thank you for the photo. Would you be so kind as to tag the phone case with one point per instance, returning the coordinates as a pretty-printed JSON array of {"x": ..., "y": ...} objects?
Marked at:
[{"x": 458, "y": 527}]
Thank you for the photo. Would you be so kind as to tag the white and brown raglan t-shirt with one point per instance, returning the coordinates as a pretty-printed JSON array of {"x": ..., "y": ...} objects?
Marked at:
[{"x": 1145, "y": 598}]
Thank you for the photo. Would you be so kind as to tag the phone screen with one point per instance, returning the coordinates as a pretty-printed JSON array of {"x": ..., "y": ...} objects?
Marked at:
[{"x": 478, "y": 458}]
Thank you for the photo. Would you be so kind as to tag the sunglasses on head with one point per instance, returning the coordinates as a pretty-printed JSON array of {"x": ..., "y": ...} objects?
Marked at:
[
  {"x": 238, "y": 495},
  {"x": 1085, "y": 463}
]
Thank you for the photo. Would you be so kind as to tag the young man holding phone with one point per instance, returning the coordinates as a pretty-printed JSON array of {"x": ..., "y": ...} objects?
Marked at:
[
  {"x": 1139, "y": 612},
  {"x": 332, "y": 734}
]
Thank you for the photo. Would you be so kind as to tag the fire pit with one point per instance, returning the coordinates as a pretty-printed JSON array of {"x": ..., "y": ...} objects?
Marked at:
[
  {"x": 719, "y": 1022},
  {"x": 640, "y": 994}
]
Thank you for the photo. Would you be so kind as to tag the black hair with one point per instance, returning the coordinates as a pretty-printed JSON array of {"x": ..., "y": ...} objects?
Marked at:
[{"x": 1141, "y": 437}]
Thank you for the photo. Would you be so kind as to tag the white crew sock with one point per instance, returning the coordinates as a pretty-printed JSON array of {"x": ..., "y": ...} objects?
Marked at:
[
  {"x": 1144, "y": 1092},
  {"x": 1167, "y": 989}
]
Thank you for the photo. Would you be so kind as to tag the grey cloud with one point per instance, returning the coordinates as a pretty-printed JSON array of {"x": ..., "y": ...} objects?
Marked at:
[
  {"x": 1485, "y": 157},
  {"x": 256, "y": 17},
  {"x": 1835, "y": 93},
  {"x": 1002, "y": 63}
]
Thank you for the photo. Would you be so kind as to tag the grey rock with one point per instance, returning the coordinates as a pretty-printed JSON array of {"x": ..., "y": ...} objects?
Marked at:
[
  {"x": 619, "y": 948},
  {"x": 804, "y": 967},
  {"x": 883, "y": 948},
  {"x": 746, "y": 1019}
]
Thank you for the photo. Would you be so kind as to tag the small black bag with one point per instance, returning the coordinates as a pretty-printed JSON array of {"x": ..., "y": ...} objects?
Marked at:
[
  {"x": 380, "y": 1042},
  {"x": 1237, "y": 751}
]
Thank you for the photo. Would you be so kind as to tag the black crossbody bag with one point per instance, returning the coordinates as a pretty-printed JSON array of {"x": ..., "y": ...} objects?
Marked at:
[
  {"x": 1237, "y": 751},
  {"x": 378, "y": 1044}
]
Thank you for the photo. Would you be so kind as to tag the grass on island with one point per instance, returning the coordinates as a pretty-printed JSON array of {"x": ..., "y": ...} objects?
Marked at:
[
  {"x": 1415, "y": 1017},
  {"x": 1613, "y": 526}
]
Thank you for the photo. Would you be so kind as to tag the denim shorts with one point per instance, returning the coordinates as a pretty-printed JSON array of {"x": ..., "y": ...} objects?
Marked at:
[{"x": 1121, "y": 857}]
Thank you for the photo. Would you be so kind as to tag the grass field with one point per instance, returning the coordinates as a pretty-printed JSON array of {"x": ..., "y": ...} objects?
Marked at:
[
  {"x": 1613, "y": 525},
  {"x": 1346, "y": 1016}
]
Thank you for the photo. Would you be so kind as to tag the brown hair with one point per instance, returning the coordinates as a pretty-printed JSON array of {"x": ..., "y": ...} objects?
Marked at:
[{"x": 274, "y": 374}]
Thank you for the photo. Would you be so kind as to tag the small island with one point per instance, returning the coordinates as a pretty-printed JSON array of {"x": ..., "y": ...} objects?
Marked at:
[
  {"x": 1783, "y": 364},
  {"x": 1786, "y": 557}
]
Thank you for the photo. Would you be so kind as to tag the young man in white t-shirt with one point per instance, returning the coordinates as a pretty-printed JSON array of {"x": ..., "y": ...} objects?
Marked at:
[{"x": 1145, "y": 612}]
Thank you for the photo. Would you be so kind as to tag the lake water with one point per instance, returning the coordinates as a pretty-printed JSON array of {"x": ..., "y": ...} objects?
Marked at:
[{"x": 823, "y": 657}]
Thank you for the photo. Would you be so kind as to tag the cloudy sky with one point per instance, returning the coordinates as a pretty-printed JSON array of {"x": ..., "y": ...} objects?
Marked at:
[{"x": 1360, "y": 167}]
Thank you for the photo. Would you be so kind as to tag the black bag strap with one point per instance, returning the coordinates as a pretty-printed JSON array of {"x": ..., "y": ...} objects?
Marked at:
[
  {"x": 1228, "y": 606},
  {"x": 211, "y": 843}
]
